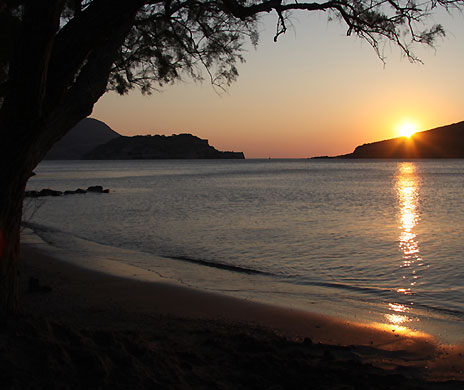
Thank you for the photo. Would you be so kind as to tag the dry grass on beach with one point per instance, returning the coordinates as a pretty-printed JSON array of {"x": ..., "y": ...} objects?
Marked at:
[{"x": 93, "y": 331}]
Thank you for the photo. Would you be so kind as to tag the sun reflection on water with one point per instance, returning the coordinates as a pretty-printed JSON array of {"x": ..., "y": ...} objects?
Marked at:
[
  {"x": 398, "y": 307},
  {"x": 396, "y": 319},
  {"x": 407, "y": 193}
]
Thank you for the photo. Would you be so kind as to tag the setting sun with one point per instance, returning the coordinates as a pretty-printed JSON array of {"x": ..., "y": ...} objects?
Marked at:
[{"x": 407, "y": 129}]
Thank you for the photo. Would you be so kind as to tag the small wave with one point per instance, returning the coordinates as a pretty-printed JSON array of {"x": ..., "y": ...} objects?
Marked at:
[
  {"x": 42, "y": 231},
  {"x": 371, "y": 294},
  {"x": 371, "y": 291},
  {"x": 441, "y": 310},
  {"x": 38, "y": 228},
  {"x": 228, "y": 267}
]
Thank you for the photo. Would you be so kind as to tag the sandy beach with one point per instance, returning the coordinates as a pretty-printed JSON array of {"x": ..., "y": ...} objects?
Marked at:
[{"x": 85, "y": 329}]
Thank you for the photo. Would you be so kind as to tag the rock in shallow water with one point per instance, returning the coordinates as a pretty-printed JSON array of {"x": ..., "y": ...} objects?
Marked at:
[{"x": 49, "y": 192}]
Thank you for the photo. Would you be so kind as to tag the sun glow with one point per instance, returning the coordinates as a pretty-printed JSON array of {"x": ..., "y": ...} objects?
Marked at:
[{"x": 406, "y": 129}]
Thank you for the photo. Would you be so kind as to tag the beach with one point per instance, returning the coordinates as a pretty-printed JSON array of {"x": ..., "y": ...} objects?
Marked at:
[{"x": 85, "y": 329}]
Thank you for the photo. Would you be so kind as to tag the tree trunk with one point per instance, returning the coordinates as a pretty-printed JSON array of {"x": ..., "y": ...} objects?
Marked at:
[
  {"x": 20, "y": 125},
  {"x": 11, "y": 199},
  {"x": 42, "y": 104},
  {"x": 23, "y": 144}
]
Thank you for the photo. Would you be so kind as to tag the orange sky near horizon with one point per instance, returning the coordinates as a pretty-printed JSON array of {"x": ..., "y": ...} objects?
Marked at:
[{"x": 314, "y": 92}]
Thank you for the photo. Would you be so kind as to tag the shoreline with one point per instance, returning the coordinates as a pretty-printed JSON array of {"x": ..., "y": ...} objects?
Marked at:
[
  {"x": 147, "y": 267},
  {"x": 96, "y": 301},
  {"x": 185, "y": 302}
]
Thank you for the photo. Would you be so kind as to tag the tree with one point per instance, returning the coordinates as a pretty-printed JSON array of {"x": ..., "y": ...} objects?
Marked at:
[{"x": 58, "y": 57}]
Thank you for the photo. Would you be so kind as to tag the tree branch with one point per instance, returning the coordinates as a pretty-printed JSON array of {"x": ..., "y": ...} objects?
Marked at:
[
  {"x": 91, "y": 28},
  {"x": 29, "y": 63},
  {"x": 89, "y": 86},
  {"x": 243, "y": 12}
]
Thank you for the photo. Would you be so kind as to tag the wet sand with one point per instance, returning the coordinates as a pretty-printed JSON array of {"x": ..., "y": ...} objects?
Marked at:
[{"x": 80, "y": 328}]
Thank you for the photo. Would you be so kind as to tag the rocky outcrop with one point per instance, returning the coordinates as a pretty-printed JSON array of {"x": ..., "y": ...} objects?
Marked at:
[
  {"x": 441, "y": 142},
  {"x": 182, "y": 146}
]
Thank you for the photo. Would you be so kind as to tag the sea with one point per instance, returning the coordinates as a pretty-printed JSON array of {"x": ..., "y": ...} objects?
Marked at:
[{"x": 371, "y": 241}]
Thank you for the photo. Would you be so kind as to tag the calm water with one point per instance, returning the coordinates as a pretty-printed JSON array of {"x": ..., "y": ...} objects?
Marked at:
[{"x": 367, "y": 240}]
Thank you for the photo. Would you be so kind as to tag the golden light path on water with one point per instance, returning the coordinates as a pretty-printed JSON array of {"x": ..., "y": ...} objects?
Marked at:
[{"x": 407, "y": 193}]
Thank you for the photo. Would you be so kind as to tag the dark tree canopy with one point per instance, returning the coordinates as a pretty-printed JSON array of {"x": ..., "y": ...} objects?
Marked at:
[
  {"x": 58, "y": 57},
  {"x": 168, "y": 39}
]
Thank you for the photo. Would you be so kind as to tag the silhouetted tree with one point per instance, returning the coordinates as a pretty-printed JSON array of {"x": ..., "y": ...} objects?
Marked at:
[{"x": 57, "y": 58}]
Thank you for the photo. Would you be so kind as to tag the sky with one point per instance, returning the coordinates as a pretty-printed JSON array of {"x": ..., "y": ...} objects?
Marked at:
[{"x": 315, "y": 92}]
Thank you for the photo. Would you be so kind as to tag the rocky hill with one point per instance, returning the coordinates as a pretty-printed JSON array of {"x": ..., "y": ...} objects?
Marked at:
[
  {"x": 81, "y": 139},
  {"x": 182, "y": 146},
  {"x": 441, "y": 142}
]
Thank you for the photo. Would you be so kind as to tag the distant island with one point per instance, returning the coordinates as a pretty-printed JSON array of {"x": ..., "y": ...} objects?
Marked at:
[
  {"x": 92, "y": 139},
  {"x": 81, "y": 139},
  {"x": 181, "y": 146},
  {"x": 441, "y": 142}
]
